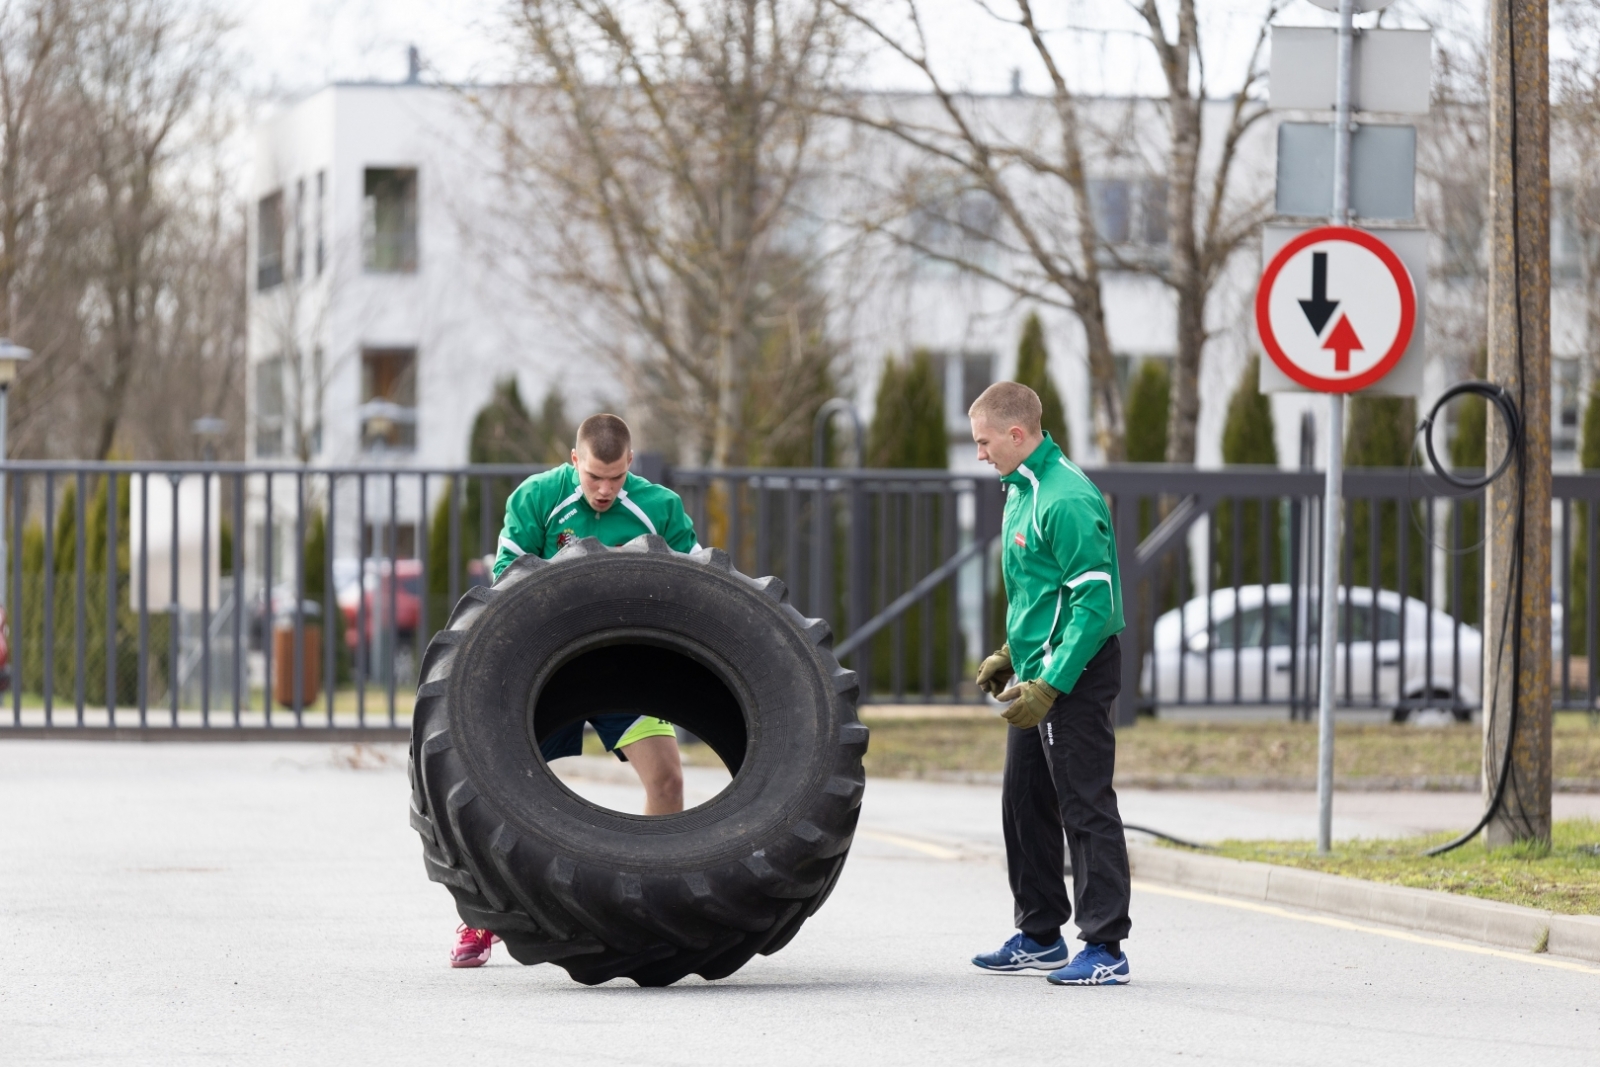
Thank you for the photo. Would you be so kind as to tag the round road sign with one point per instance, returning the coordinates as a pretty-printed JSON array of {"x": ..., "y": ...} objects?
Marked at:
[{"x": 1335, "y": 309}]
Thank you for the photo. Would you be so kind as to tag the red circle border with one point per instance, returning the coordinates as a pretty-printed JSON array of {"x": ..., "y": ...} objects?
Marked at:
[{"x": 1408, "y": 309}]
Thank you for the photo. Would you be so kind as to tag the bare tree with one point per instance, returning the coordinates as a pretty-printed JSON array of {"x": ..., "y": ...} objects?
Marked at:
[
  {"x": 1207, "y": 222},
  {"x": 41, "y": 225},
  {"x": 1453, "y": 160},
  {"x": 1052, "y": 252},
  {"x": 196, "y": 341},
  {"x": 145, "y": 75},
  {"x": 293, "y": 318},
  {"x": 653, "y": 161},
  {"x": 1575, "y": 84}
]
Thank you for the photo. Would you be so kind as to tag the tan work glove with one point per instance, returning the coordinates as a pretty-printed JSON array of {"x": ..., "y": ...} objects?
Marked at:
[
  {"x": 1030, "y": 703},
  {"x": 995, "y": 672}
]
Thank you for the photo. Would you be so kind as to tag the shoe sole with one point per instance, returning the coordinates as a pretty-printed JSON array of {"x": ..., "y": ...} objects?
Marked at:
[
  {"x": 1025, "y": 969},
  {"x": 471, "y": 961},
  {"x": 1122, "y": 980}
]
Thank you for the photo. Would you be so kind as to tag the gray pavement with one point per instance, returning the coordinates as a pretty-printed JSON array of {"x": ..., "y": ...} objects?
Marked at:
[{"x": 223, "y": 903}]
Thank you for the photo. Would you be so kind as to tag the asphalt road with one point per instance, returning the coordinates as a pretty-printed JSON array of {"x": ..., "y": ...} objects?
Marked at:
[{"x": 239, "y": 904}]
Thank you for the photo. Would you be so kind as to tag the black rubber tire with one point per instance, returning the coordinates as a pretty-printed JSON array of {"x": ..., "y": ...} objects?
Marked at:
[{"x": 644, "y": 629}]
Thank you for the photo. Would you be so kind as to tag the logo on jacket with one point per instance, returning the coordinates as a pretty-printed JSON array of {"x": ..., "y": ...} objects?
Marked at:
[
  {"x": 1021, "y": 541},
  {"x": 567, "y": 537}
]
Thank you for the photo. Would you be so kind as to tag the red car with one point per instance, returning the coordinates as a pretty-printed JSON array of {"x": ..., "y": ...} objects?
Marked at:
[
  {"x": 380, "y": 595},
  {"x": 5, "y": 650}
]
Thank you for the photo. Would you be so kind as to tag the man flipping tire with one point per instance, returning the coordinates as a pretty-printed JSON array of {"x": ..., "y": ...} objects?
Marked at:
[
  {"x": 1063, "y": 617},
  {"x": 594, "y": 495}
]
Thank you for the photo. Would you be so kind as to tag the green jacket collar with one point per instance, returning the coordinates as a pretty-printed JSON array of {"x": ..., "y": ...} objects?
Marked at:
[{"x": 1038, "y": 460}]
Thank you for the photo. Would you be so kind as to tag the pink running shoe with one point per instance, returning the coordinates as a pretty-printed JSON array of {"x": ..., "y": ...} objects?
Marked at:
[{"x": 472, "y": 947}]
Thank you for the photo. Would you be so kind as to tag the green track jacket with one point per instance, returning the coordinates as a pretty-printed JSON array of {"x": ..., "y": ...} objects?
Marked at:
[
  {"x": 548, "y": 512},
  {"x": 1060, "y": 565}
]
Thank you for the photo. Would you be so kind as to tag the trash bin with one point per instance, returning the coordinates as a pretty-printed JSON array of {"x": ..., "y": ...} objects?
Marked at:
[{"x": 283, "y": 663}]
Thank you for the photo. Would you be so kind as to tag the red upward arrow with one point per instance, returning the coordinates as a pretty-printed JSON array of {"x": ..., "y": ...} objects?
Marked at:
[{"x": 1341, "y": 342}]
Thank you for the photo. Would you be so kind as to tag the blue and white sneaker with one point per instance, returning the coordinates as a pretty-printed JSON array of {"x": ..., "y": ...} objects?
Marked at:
[
  {"x": 1095, "y": 965},
  {"x": 1023, "y": 953}
]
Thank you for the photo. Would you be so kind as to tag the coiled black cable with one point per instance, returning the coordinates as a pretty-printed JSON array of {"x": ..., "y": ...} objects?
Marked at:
[{"x": 1511, "y": 621}]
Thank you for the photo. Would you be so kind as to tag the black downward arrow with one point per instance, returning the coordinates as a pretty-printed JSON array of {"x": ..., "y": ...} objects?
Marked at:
[{"x": 1319, "y": 309}]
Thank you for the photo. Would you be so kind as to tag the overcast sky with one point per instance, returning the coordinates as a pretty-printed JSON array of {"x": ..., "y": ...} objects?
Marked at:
[{"x": 293, "y": 47}]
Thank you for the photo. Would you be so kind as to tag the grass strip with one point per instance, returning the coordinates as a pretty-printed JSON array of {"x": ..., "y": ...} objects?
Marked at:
[
  {"x": 912, "y": 748},
  {"x": 1564, "y": 878}
]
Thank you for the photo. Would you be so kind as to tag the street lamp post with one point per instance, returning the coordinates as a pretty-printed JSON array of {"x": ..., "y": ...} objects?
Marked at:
[
  {"x": 209, "y": 430},
  {"x": 10, "y": 356}
]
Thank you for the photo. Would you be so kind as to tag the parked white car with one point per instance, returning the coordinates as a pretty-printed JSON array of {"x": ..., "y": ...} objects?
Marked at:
[{"x": 1251, "y": 662}]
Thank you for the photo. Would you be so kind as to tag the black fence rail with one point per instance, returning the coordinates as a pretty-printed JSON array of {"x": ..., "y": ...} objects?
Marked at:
[
  {"x": 241, "y": 596},
  {"x": 896, "y": 560}
]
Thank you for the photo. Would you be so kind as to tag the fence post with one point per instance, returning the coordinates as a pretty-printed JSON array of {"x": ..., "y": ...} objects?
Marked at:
[{"x": 1126, "y": 511}]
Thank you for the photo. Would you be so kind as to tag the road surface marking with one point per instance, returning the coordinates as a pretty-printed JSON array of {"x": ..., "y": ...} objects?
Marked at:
[
  {"x": 1345, "y": 924},
  {"x": 938, "y": 852}
]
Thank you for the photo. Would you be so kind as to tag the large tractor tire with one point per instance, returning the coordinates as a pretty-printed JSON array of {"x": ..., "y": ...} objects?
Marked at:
[{"x": 643, "y": 630}]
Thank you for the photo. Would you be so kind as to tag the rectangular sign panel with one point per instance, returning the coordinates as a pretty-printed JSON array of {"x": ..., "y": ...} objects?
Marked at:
[
  {"x": 1383, "y": 171},
  {"x": 1391, "y": 69},
  {"x": 1412, "y": 248}
]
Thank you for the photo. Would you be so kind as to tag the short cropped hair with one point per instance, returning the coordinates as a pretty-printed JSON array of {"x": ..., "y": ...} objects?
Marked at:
[
  {"x": 1007, "y": 404},
  {"x": 605, "y": 437}
]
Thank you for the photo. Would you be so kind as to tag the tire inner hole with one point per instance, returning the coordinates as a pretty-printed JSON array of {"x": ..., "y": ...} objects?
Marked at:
[{"x": 631, "y": 679}]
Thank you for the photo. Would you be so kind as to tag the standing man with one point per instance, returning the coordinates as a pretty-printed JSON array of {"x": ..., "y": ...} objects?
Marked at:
[
  {"x": 594, "y": 495},
  {"x": 1064, "y": 614}
]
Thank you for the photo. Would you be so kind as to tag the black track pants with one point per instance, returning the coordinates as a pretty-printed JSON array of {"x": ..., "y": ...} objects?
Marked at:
[{"x": 1058, "y": 778}]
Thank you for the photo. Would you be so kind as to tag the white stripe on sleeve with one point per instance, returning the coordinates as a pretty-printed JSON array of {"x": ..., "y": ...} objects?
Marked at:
[{"x": 638, "y": 512}]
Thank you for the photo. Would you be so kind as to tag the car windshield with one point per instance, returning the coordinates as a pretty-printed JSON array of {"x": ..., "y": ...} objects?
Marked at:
[
  {"x": 1244, "y": 631},
  {"x": 1355, "y": 624}
]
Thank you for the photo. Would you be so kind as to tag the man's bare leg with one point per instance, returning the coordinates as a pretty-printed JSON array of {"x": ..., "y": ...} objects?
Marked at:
[{"x": 656, "y": 761}]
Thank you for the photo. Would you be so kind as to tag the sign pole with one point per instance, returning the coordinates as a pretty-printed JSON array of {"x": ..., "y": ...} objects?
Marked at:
[{"x": 1332, "y": 502}]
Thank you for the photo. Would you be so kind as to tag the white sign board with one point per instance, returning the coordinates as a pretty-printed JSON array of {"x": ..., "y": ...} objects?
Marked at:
[
  {"x": 1390, "y": 69},
  {"x": 1337, "y": 310},
  {"x": 156, "y": 533}
]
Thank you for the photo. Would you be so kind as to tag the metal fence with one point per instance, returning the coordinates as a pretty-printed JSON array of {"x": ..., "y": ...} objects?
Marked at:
[{"x": 252, "y": 597}]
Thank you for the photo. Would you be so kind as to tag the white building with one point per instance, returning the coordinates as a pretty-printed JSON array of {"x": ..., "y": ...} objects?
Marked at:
[{"x": 380, "y": 320}]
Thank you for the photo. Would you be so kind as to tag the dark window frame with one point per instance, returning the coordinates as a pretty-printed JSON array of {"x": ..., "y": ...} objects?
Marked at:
[
  {"x": 388, "y": 410},
  {"x": 269, "y": 241},
  {"x": 389, "y": 220}
]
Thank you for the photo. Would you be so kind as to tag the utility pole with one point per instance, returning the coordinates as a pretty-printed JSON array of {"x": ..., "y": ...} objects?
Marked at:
[{"x": 1519, "y": 360}]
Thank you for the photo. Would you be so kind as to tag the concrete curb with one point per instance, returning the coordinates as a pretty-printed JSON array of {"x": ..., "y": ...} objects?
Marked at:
[{"x": 1504, "y": 925}]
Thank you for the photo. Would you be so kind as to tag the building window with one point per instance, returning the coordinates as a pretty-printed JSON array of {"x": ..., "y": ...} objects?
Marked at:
[
  {"x": 269, "y": 407},
  {"x": 269, "y": 241},
  {"x": 389, "y": 221},
  {"x": 299, "y": 229},
  {"x": 322, "y": 192},
  {"x": 388, "y": 399},
  {"x": 1112, "y": 203},
  {"x": 1565, "y": 396},
  {"x": 1567, "y": 226},
  {"x": 1459, "y": 210},
  {"x": 1130, "y": 213},
  {"x": 951, "y": 225}
]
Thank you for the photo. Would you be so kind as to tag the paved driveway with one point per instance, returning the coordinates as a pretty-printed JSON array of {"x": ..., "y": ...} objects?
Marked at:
[{"x": 220, "y": 903}]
